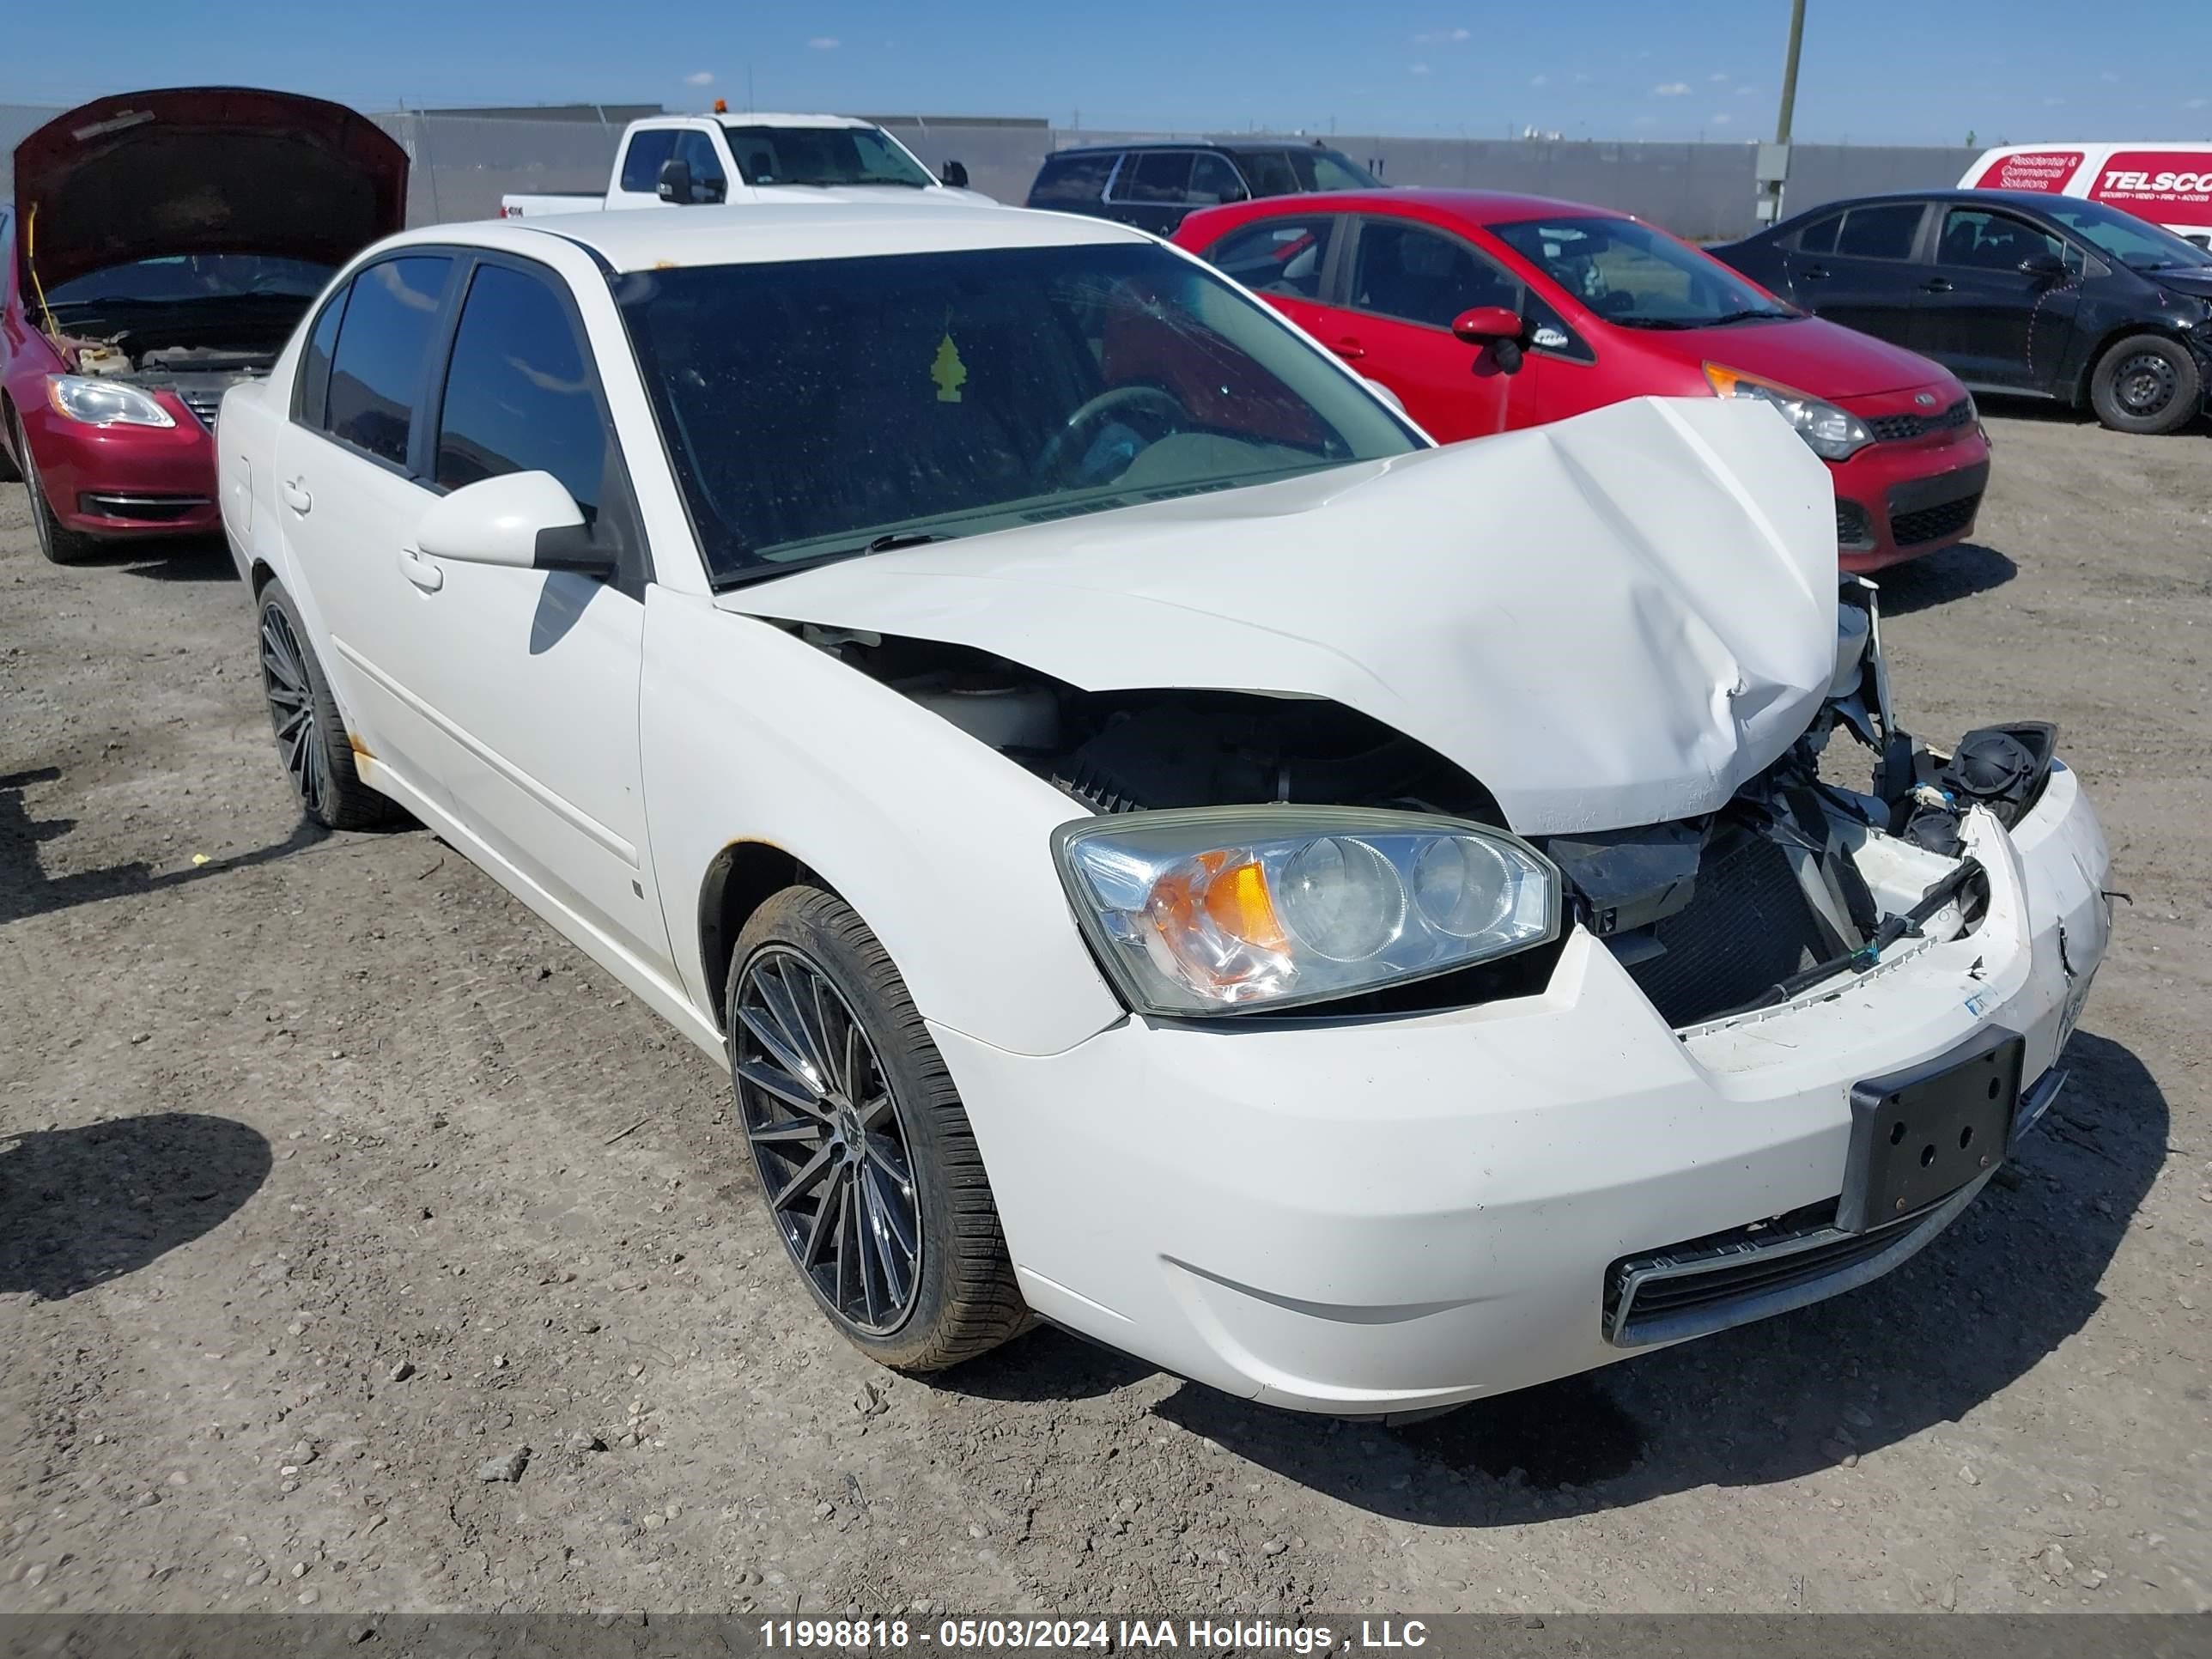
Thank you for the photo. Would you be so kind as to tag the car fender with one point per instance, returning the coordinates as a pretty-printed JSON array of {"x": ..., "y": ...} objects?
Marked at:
[{"x": 748, "y": 733}]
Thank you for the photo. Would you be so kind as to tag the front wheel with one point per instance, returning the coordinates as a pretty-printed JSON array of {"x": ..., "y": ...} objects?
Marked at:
[
  {"x": 2146, "y": 384},
  {"x": 60, "y": 545},
  {"x": 871, "y": 1171}
]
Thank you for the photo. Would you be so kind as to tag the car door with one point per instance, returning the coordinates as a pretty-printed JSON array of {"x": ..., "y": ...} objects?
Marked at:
[
  {"x": 534, "y": 674},
  {"x": 1983, "y": 317},
  {"x": 1858, "y": 268},
  {"x": 1285, "y": 259},
  {"x": 1398, "y": 288},
  {"x": 348, "y": 499},
  {"x": 710, "y": 180},
  {"x": 1151, "y": 189}
]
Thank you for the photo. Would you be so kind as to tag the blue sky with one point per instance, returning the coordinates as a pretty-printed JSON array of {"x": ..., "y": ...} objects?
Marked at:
[{"x": 1875, "y": 71}]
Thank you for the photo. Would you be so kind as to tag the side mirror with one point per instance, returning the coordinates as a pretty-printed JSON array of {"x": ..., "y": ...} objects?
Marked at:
[
  {"x": 711, "y": 190},
  {"x": 675, "y": 181},
  {"x": 953, "y": 175},
  {"x": 2045, "y": 267},
  {"x": 1496, "y": 326},
  {"x": 521, "y": 520}
]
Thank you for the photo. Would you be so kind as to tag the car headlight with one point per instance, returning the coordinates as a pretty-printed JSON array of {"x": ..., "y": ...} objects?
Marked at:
[
  {"x": 1833, "y": 433},
  {"x": 1216, "y": 910},
  {"x": 104, "y": 402}
]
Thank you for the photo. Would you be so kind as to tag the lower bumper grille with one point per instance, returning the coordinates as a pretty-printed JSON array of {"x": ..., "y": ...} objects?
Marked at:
[
  {"x": 1748, "y": 925},
  {"x": 1852, "y": 528},
  {"x": 1933, "y": 523}
]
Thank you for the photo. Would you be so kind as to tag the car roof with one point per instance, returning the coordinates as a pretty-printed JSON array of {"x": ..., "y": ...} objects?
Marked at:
[
  {"x": 2024, "y": 199},
  {"x": 1474, "y": 207},
  {"x": 773, "y": 119},
  {"x": 768, "y": 233},
  {"x": 1229, "y": 146}
]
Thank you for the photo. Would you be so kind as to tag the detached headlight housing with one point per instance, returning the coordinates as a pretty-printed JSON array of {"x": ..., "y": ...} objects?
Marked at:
[
  {"x": 1219, "y": 910},
  {"x": 1833, "y": 433},
  {"x": 104, "y": 402}
]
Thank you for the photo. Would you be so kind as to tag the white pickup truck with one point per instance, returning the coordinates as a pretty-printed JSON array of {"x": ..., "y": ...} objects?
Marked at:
[{"x": 682, "y": 160}]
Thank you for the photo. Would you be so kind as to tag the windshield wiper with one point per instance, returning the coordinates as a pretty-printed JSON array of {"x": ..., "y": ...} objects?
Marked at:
[
  {"x": 892, "y": 541},
  {"x": 1634, "y": 321},
  {"x": 766, "y": 570},
  {"x": 1746, "y": 315}
]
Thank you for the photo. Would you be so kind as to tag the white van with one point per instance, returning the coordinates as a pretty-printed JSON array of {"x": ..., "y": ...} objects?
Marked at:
[{"x": 2169, "y": 183}]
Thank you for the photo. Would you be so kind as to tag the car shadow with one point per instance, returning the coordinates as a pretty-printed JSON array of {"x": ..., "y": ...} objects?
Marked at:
[
  {"x": 2046, "y": 411},
  {"x": 26, "y": 889},
  {"x": 187, "y": 559},
  {"x": 81, "y": 1206},
  {"x": 2016, "y": 1276},
  {"x": 1956, "y": 573}
]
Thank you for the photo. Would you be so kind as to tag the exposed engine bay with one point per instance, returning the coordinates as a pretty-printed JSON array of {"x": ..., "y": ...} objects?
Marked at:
[
  {"x": 1797, "y": 881},
  {"x": 198, "y": 359}
]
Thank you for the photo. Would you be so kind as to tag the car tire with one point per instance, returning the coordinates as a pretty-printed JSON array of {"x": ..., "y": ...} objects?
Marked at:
[
  {"x": 60, "y": 545},
  {"x": 2146, "y": 384},
  {"x": 826, "y": 1048},
  {"x": 311, "y": 733},
  {"x": 9, "y": 472}
]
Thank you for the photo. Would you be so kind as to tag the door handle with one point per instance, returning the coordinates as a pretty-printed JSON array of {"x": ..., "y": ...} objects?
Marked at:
[
  {"x": 1349, "y": 349},
  {"x": 423, "y": 573},
  {"x": 1814, "y": 273},
  {"x": 1936, "y": 285},
  {"x": 296, "y": 497}
]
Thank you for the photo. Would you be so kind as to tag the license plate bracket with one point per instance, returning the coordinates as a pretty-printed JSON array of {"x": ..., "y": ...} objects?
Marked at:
[{"x": 1918, "y": 1136}]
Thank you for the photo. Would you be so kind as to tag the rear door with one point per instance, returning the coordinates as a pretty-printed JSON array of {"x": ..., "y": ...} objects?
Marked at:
[
  {"x": 1984, "y": 318},
  {"x": 1397, "y": 287},
  {"x": 1073, "y": 183},
  {"x": 1858, "y": 268},
  {"x": 1151, "y": 189}
]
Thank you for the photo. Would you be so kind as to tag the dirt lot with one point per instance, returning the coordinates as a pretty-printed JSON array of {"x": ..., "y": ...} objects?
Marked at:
[{"x": 328, "y": 1174}]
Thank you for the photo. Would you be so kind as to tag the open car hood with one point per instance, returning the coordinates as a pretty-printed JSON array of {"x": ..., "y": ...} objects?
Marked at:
[
  {"x": 145, "y": 175},
  {"x": 1616, "y": 620}
]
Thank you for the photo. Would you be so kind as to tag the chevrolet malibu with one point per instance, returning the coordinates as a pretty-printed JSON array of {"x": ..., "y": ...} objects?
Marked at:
[{"x": 1160, "y": 846}]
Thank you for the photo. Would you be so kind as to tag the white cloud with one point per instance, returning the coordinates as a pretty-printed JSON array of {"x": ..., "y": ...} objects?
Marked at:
[
  {"x": 1647, "y": 121},
  {"x": 1442, "y": 37},
  {"x": 1581, "y": 77},
  {"x": 825, "y": 43},
  {"x": 2052, "y": 103},
  {"x": 1723, "y": 118},
  {"x": 700, "y": 78},
  {"x": 2111, "y": 77},
  {"x": 1671, "y": 89},
  {"x": 2194, "y": 103},
  {"x": 1718, "y": 77},
  {"x": 1746, "y": 92},
  {"x": 1418, "y": 69},
  {"x": 1540, "y": 80}
]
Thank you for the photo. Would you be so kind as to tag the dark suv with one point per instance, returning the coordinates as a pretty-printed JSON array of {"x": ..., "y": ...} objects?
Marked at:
[{"x": 1152, "y": 185}]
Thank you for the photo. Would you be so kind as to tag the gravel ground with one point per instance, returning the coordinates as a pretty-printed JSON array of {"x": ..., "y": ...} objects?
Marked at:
[{"x": 364, "y": 1247}]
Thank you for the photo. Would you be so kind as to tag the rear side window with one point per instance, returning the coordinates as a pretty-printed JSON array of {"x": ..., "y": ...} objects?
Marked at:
[
  {"x": 1270, "y": 172},
  {"x": 642, "y": 162},
  {"x": 1159, "y": 175},
  {"x": 1285, "y": 255},
  {"x": 1072, "y": 181},
  {"x": 520, "y": 394},
  {"x": 1212, "y": 180},
  {"x": 383, "y": 345},
  {"x": 315, "y": 360},
  {"x": 1885, "y": 232}
]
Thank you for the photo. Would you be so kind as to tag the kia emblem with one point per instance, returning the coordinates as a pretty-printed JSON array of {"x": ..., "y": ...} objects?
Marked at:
[{"x": 1925, "y": 399}]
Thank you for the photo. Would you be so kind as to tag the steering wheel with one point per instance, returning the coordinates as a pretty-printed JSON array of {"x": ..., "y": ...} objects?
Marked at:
[{"x": 1053, "y": 458}]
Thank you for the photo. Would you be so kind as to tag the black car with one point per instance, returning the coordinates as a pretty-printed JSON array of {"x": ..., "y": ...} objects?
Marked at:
[
  {"x": 1153, "y": 185},
  {"x": 2042, "y": 296}
]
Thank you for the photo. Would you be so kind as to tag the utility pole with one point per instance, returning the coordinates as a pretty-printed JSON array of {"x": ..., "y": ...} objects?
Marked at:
[{"x": 1772, "y": 166}]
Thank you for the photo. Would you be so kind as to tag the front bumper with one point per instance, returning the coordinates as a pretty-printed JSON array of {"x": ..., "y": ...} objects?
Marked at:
[
  {"x": 127, "y": 483},
  {"x": 1406, "y": 1214},
  {"x": 1903, "y": 500}
]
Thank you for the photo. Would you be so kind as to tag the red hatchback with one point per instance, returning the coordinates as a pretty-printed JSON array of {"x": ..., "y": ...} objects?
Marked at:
[
  {"x": 161, "y": 246},
  {"x": 1483, "y": 313}
]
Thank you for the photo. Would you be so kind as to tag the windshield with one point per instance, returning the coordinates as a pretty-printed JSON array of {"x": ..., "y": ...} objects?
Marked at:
[
  {"x": 816, "y": 407},
  {"x": 2132, "y": 242},
  {"x": 1629, "y": 274},
  {"x": 822, "y": 155},
  {"x": 187, "y": 278}
]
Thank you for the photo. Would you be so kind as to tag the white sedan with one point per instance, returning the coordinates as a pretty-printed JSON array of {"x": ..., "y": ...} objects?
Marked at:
[{"x": 1160, "y": 846}]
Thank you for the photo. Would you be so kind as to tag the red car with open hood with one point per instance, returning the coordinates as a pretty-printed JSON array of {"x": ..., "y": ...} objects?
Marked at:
[
  {"x": 161, "y": 245},
  {"x": 1483, "y": 312}
]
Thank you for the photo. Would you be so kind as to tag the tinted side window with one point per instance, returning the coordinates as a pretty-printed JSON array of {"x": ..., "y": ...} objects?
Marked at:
[
  {"x": 377, "y": 368},
  {"x": 315, "y": 360},
  {"x": 1983, "y": 241},
  {"x": 1424, "y": 276},
  {"x": 1212, "y": 180},
  {"x": 696, "y": 151},
  {"x": 1282, "y": 255},
  {"x": 1072, "y": 181},
  {"x": 1886, "y": 232},
  {"x": 1161, "y": 175},
  {"x": 1820, "y": 238},
  {"x": 519, "y": 395},
  {"x": 1270, "y": 172},
  {"x": 642, "y": 162}
]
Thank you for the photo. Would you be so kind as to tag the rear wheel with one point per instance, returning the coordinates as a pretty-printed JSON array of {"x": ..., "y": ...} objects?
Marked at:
[
  {"x": 871, "y": 1171},
  {"x": 2145, "y": 383},
  {"x": 61, "y": 544},
  {"x": 311, "y": 736}
]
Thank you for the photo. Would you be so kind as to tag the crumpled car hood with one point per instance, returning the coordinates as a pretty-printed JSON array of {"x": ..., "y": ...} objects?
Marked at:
[{"x": 1615, "y": 620}]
